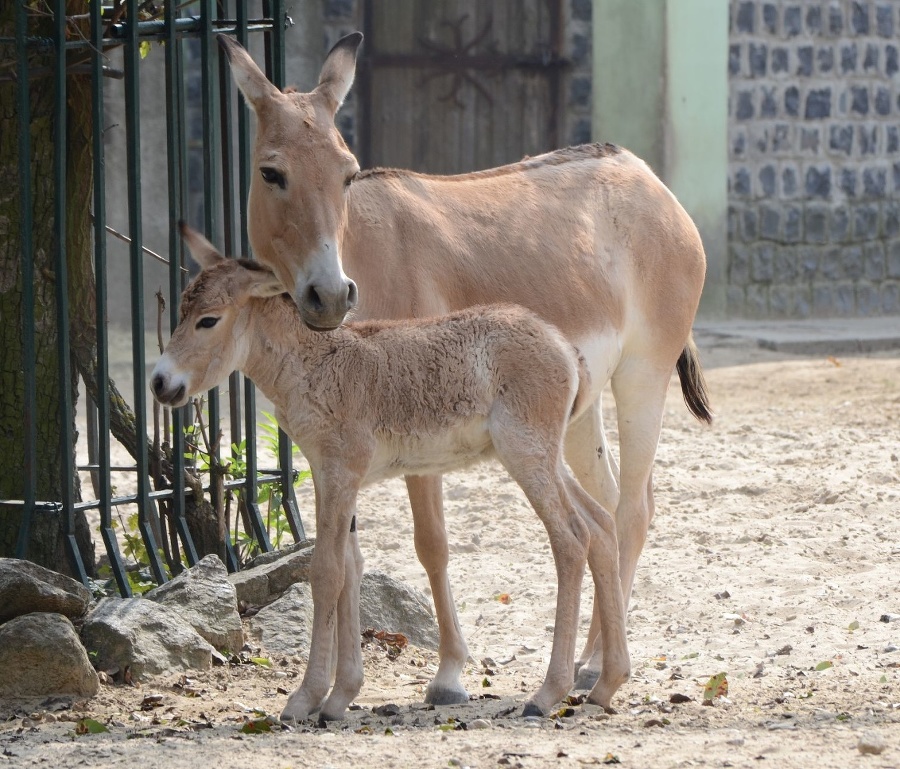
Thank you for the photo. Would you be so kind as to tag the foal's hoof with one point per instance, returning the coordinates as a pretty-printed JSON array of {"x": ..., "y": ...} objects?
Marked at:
[
  {"x": 446, "y": 695},
  {"x": 586, "y": 679}
]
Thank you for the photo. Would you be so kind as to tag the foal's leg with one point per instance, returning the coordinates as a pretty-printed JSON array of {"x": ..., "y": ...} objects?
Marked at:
[
  {"x": 530, "y": 449},
  {"x": 348, "y": 677},
  {"x": 603, "y": 559},
  {"x": 430, "y": 535},
  {"x": 588, "y": 454},
  {"x": 334, "y": 510}
]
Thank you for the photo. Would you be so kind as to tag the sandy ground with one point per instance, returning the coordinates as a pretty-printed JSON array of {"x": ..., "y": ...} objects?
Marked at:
[{"x": 776, "y": 548}]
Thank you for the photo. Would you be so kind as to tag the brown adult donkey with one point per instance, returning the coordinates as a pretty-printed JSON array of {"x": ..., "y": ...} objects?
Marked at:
[{"x": 587, "y": 237}]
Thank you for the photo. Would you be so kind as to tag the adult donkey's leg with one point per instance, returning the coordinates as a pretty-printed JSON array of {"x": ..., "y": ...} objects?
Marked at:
[
  {"x": 427, "y": 505},
  {"x": 640, "y": 391}
]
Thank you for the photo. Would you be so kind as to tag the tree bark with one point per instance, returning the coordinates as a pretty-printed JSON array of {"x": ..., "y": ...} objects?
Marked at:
[{"x": 46, "y": 542}]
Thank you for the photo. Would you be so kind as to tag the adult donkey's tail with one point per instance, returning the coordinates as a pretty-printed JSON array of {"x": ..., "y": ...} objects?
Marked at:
[{"x": 693, "y": 384}]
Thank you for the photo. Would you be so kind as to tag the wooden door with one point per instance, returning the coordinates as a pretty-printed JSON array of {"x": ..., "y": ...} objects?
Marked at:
[{"x": 448, "y": 86}]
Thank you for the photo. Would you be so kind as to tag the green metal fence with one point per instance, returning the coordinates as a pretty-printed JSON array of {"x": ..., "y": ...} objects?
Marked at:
[{"x": 222, "y": 157}]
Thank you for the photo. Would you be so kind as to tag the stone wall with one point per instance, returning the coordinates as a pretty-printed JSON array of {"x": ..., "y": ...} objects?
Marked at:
[{"x": 814, "y": 158}]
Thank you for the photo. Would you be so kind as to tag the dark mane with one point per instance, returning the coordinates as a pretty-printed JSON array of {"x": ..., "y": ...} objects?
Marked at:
[{"x": 554, "y": 158}]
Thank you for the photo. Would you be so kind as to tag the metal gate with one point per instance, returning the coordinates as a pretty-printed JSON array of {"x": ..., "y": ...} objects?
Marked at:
[
  {"x": 219, "y": 156},
  {"x": 449, "y": 86}
]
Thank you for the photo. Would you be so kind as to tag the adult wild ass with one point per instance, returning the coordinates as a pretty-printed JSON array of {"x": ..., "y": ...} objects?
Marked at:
[
  {"x": 378, "y": 399},
  {"x": 586, "y": 237}
]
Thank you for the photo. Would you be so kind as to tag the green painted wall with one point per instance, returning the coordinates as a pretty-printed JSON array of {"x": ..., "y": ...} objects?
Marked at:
[
  {"x": 661, "y": 89},
  {"x": 628, "y": 76}
]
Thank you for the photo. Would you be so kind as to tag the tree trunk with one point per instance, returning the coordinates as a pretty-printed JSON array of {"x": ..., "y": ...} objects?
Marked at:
[{"x": 46, "y": 541}]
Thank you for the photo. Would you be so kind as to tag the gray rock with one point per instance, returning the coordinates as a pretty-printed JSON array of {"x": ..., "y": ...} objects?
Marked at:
[
  {"x": 871, "y": 743},
  {"x": 285, "y": 626},
  {"x": 26, "y": 587},
  {"x": 207, "y": 601},
  {"x": 260, "y": 585},
  {"x": 144, "y": 636},
  {"x": 387, "y": 604},
  {"x": 40, "y": 655}
]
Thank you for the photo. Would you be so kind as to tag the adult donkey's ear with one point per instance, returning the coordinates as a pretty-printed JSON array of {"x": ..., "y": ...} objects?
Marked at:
[
  {"x": 248, "y": 77},
  {"x": 338, "y": 70},
  {"x": 204, "y": 252}
]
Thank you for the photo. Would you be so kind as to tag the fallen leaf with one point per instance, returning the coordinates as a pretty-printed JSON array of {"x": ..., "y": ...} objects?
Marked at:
[
  {"x": 504, "y": 598},
  {"x": 853, "y": 626},
  {"x": 824, "y": 665},
  {"x": 89, "y": 726},
  {"x": 834, "y": 361},
  {"x": 717, "y": 686},
  {"x": 256, "y": 726}
]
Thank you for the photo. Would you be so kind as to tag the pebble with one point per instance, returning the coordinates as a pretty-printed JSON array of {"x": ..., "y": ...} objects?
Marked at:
[
  {"x": 734, "y": 737},
  {"x": 480, "y": 723},
  {"x": 891, "y": 648},
  {"x": 533, "y": 722},
  {"x": 871, "y": 743},
  {"x": 890, "y": 617}
]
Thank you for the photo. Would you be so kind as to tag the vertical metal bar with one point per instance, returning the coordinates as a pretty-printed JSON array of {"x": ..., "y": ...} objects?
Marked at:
[
  {"x": 174, "y": 159},
  {"x": 102, "y": 434},
  {"x": 28, "y": 362},
  {"x": 209, "y": 98},
  {"x": 250, "y": 486},
  {"x": 274, "y": 52},
  {"x": 288, "y": 498},
  {"x": 66, "y": 405},
  {"x": 132, "y": 127}
]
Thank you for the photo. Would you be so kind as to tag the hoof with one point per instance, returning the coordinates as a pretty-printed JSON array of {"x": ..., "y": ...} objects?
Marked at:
[
  {"x": 325, "y": 718},
  {"x": 586, "y": 679},
  {"x": 442, "y": 695},
  {"x": 531, "y": 709}
]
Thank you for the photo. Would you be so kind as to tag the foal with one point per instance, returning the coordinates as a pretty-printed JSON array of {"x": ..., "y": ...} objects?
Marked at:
[{"x": 368, "y": 401}]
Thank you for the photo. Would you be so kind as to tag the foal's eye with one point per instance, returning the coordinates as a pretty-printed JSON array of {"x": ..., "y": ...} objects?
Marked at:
[
  {"x": 272, "y": 176},
  {"x": 207, "y": 322}
]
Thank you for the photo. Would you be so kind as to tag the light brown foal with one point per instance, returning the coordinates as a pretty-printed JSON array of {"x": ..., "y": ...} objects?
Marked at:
[{"x": 369, "y": 401}]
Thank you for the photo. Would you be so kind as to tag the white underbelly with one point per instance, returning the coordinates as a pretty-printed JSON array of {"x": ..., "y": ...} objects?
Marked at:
[{"x": 430, "y": 454}]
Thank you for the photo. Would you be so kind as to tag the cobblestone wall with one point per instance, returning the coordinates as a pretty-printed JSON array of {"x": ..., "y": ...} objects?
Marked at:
[
  {"x": 341, "y": 17},
  {"x": 814, "y": 158}
]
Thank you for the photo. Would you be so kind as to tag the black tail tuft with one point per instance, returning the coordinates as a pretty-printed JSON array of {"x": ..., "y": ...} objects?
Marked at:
[{"x": 693, "y": 384}]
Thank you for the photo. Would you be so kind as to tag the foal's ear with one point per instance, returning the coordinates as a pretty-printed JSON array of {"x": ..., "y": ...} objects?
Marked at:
[
  {"x": 204, "y": 252},
  {"x": 338, "y": 70},
  {"x": 263, "y": 282},
  {"x": 255, "y": 86}
]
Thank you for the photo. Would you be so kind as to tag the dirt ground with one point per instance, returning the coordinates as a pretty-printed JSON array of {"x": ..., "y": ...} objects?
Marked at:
[{"x": 774, "y": 556}]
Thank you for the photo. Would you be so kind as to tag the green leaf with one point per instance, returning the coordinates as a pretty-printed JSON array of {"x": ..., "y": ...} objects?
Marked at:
[
  {"x": 717, "y": 686},
  {"x": 883, "y": 680},
  {"x": 89, "y": 726},
  {"x": 144, "y": 48},
  {"x": 824, "y": 665},
  {"x": 853, "y": 626},
  {"x": 256, "y": 726},
  {"x": 261, "y": 661}
]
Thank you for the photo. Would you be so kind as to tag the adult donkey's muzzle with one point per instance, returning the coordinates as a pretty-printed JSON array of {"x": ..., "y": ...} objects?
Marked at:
[{"x": 324, "y": 307}]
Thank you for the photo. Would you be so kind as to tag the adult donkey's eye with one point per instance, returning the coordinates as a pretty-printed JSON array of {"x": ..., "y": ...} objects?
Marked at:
[
  {"x": 272, "y": 176},
  {"x": 207, "y": 322}
]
